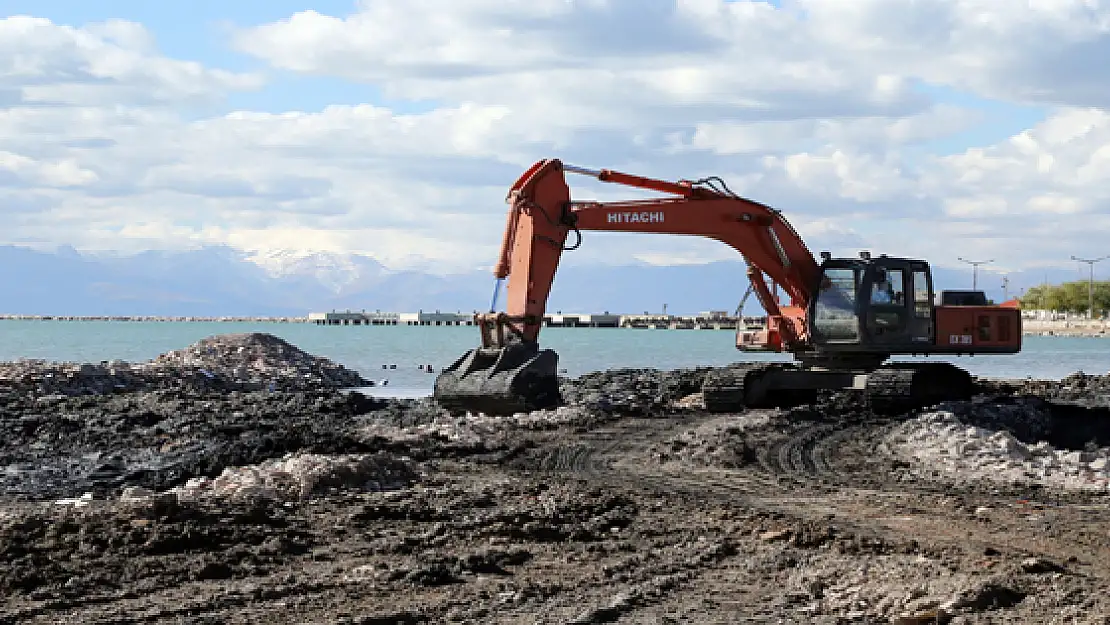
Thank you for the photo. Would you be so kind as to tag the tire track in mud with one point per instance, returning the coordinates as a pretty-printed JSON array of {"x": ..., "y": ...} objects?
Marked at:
[
  {"x": 804, "y": 470},
  {"x": 820, "y": 459},
  {"x": 823, "y": 470},
  {"x": 601, "y": 456},
  {"x": 618, "y": 453},
  {"x": 595, "y": 451}
]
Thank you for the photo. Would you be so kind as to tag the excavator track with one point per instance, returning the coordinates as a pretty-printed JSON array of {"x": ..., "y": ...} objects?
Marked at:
[
  {"x": 899, "y": 387},
  {"x": 729, "y": 389}
]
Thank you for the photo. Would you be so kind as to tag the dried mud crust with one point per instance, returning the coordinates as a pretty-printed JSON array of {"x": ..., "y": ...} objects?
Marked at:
[{"x": 617, "y": 508}]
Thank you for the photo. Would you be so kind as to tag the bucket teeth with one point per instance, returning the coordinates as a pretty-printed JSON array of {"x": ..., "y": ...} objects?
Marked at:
[{"x": 516, "y": 378}]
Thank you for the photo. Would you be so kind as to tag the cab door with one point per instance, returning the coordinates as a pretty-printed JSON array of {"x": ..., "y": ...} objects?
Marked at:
[
  {"x": 834, "y": 315},
  {"x": 922, "y": 323},
  {"x": 888, "y": 306}
]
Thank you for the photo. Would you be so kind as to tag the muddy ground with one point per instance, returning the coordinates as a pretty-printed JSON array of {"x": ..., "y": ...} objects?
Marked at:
[{"x": 628, "y": 505}]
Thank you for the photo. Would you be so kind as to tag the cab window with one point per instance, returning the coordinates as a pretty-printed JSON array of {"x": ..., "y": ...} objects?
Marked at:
[
  {"x": 889, "y": 287},
  {"x": 923, "y": 304}
]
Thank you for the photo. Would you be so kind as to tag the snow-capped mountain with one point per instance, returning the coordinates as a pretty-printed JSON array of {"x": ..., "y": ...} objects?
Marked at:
[
  {"x": 337, "y": 272},
  {"x": 219, "y": 280}
]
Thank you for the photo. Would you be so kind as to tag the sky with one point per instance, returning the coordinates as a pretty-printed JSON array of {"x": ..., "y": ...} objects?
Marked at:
[{"x": 939, "y": 129}]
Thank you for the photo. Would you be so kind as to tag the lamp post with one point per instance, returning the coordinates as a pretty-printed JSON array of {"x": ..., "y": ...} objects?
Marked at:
[
  {"x": 975, "y": 270},
  {"x": 1090, "y": 282}
]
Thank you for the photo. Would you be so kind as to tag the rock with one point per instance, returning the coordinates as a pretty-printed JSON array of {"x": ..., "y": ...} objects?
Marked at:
[
  {"x": 76, "y": 502},
  {"x": 993, "y": 441},
  {"x": 985, "y": 596},
  {"x": 300, "y": 476},
  {"x": 925, "y": 617},
  {"x": 1040, "y": 565},
  {"x": 694, "y": 401},
  {"x": 147, "y": 503},
  {"x": 773, "y": 535}
]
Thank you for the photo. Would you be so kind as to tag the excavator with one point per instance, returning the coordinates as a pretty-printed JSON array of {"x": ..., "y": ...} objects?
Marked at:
[{"x": 844, "y": 320}]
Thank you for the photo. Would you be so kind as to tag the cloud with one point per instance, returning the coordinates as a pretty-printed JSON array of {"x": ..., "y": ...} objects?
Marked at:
[
  {"x": 65, "y": 173},
  {"x": 1041, "y": 51},
  {"x": 819, "y": 107},
  {"x": 105, "y": 63}
]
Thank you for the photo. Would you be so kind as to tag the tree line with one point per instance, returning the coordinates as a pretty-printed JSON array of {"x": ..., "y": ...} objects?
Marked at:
[{"x": 1067, "y": 297}]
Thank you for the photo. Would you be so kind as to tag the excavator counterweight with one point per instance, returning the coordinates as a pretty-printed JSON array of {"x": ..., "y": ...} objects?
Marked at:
[{"x": 843, "y": 318}]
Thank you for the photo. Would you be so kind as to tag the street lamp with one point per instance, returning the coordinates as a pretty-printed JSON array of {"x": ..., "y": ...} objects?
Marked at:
[
  {"x": 1090, "y": 282},
  {"x": 975, "y": 270}
]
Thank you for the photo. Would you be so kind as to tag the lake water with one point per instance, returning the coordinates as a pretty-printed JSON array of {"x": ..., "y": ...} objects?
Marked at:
[{"x": 368, "y": 348}]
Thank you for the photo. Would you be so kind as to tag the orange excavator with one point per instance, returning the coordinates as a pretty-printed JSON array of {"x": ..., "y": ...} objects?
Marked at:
[{"x": 845, "y": 318}]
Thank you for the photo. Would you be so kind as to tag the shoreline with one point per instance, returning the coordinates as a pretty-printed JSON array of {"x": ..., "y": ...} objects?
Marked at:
[
  {"x": 155, "y": 318},
  {"x": 1065, "y": 328},
  {"x": 1072, "y": 328}
]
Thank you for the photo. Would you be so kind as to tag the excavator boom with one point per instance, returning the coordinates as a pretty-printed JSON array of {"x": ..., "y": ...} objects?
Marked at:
[
  {"x": 509, "y": 372},
  {"x": 542, "y": 215}
]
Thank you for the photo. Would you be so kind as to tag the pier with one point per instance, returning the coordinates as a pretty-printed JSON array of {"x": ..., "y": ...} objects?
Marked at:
[
  {"x": 704, "y": 321},
  {"x": 715, "y": 320}
]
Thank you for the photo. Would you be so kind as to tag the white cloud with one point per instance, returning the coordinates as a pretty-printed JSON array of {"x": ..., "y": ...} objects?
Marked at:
[
  {"x": 105, "y": 63},
  {"x": 65, "y": 173},
  {"x": 872, "y": 133},
  {"x": 1040, "y": 51},
  {"x": 815, "y": 108}
]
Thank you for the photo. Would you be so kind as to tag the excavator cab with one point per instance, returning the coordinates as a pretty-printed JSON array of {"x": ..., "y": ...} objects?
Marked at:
[
  {"x": 873, "y": 308},
  {"x": 880, "y": 305}
]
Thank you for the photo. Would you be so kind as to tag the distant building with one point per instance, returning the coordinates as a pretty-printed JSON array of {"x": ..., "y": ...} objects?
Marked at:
[
  {"x": 436, "y": 319},
  {"x": 561, "y": 320}
]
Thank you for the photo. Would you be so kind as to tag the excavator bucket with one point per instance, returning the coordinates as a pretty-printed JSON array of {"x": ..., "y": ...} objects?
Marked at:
[{"x": 516, "y": 378}]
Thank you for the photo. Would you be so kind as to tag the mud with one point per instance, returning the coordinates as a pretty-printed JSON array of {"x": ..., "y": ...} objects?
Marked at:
[{"x": 629, "y": 504}]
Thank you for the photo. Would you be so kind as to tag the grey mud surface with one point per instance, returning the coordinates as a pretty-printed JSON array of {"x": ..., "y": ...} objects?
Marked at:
[{"x": 628, "y": 505}]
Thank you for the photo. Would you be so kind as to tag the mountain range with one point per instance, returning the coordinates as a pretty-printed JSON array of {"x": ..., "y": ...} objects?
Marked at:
[{"x": 222, "y": 281}]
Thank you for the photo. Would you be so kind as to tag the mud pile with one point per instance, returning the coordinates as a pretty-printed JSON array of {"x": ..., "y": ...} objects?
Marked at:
[
  {"x": 1079, "y": 388},
  {"x": 632, "y": 392},
  {"x": 259, "y": 361},
  {"x": 59, "y": 446},
  {"x": 252, "y": 361},
  {"x": 717, "y": 443},
  {"x": 1009, "y": 442}
]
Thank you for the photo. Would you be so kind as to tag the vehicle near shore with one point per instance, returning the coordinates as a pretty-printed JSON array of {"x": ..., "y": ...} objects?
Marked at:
[{"x": 845, "y": 317}]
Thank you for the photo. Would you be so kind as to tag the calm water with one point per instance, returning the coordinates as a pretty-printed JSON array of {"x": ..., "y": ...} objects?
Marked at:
[{"x": 367, "y": 348}]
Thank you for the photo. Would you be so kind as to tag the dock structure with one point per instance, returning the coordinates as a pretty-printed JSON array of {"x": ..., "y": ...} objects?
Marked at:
[
  {"x": 349, "y": 318},
  {"x": 715, "y": 320},
  {"x": 582, "y": 320}
]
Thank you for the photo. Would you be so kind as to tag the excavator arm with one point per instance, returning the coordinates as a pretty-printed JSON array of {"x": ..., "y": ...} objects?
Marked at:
[
  {"x": 542, "y": 216},
  {"x": 510, "y": 373}
]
